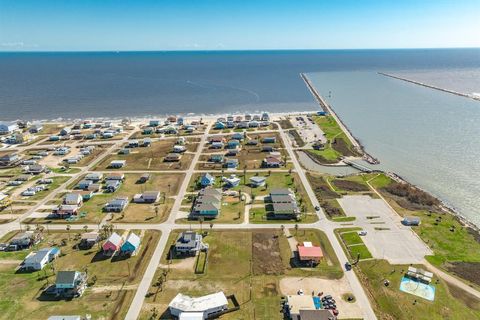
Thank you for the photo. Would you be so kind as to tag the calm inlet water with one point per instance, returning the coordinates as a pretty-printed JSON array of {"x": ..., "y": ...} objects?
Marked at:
[{"x": 429, "y": 137}]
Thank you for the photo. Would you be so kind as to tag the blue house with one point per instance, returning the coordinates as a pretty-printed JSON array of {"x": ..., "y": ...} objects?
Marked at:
[
  {"x": 154, "y": 123},
  {"x": 148, "y": 130},
  {"x": 269, "y": 140},
  {"x": 238, "y": 136},
  {"x": 233, "y": 144},
  {"x": 219, "y": 125},
  {"x": 207, "y": 180},
  {"x": 218, "y": 158},
  {"x": 321, "y": 113},
  {"x": 231, "y": 163},
  {"x": 131, "y": 244}
]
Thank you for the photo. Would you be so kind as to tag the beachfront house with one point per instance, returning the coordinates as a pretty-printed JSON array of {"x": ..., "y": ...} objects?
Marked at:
[
  {"x": 112, "y": 244},
  {"x": 207, "y": 180},
  {"x": 206, "y": 307},
  {"x": 116, "y": 205},
  {"x": 131, "y": 244},
  {"x": 257, "y": 181},
  {"x": 8, "y": 127},
  {"x": 219, "y": 125},
  {"x": 265, "y": 117},
  {"x": 117, "y": 164},
  {"x": 238, "y": 136},
  {"x": 38, "y": 260}
]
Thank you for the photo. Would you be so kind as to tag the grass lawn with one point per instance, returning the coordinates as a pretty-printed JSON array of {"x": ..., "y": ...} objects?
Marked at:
[
  {"x": 57, "y": 181},
  {"x": 391, "y": 303},
  {"x": 246, "y": 263},
  {"x": 21, "y": 292},
  {"x": 151, "y": 158},
  {"x": 352, "y": 243}
]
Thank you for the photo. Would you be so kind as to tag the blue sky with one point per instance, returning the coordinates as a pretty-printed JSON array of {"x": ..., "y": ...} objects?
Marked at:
[{"x": 48, "y": 25}]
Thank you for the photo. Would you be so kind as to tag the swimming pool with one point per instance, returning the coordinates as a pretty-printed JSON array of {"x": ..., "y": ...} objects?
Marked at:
[
  {"x": 417, "y": 288},
  {"x": 317, "y": 302}
]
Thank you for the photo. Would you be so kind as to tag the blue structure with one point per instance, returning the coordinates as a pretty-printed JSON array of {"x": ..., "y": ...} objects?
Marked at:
[
  {"x": 219, "y": 125},
  {"x": 131, "y": 244},
  {"x": 322, "y": 113},
  {"x": 207, "y": 180},
  {"x": 233, "y": 144},
  {"x": 238, "y": 136},
  {"x": 231, "y": 163}
]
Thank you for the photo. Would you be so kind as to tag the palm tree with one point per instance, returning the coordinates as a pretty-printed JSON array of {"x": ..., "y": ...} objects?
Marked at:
[
  {"x": 211, "y": 226},
  {"x": 200, "y": 220},
  {"x": 296, "y": 228},
  {"x": 68, "y": 229},
  {"x": 85, "y": 228}
]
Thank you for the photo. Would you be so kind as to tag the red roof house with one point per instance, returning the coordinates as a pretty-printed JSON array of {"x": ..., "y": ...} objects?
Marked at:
[
  {"x": 113, "y": 243},
  {"x": 309, "y": 253}
]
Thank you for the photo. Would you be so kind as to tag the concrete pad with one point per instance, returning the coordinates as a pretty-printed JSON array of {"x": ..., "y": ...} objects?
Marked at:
[{"x": 399, "y": 244}]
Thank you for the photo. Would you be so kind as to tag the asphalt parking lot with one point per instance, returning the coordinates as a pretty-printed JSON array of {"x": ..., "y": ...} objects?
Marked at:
[{"x": 386, "y": 237}]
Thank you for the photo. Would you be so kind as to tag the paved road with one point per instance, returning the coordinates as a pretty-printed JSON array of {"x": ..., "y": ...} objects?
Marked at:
[{"x": 328, "y": 227}]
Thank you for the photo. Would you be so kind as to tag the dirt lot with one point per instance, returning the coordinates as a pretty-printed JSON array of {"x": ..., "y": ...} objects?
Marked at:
[
  {"x": 336, "y": 288},
  {"x": 266, "y": 253},
  {"x": 349, "y": 185},
  {"x": 321, "y": 188}
]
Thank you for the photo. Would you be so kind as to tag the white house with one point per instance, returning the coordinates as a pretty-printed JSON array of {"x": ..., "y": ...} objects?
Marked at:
[
  {"x": 8, "y": 127},
  {"x": 38, "y": 260},
  {"x": 203, "y": 307}
]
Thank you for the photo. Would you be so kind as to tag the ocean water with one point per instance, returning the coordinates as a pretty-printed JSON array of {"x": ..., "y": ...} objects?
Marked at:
[
  {"x": 426, "y": 136},
  {"x": 80, "y": 85}
]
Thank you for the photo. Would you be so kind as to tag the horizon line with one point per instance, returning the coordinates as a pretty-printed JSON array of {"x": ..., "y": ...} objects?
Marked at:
[{"x": 230, "y": 50}]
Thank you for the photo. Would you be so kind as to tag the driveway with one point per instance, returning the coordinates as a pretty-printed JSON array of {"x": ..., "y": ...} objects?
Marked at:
[{"x": 387, "y": 238}]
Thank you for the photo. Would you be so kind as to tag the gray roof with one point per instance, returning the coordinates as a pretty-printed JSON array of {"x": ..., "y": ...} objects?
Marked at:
[
  {"x": 285, "y": 207},
  {"x": 38, "y": 256},
  {"x": 186, "y": 239},
  {"x": 281, "y": 198},
  {"x": 280, "y": 191},
  {"x": 207, "y": 206},
  {"x": 258, "y": 179},
  {"x": 66, "y": 277}
]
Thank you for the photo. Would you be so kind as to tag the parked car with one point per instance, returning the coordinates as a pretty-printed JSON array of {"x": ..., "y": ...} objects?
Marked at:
[{"x": 362, "y": 233}]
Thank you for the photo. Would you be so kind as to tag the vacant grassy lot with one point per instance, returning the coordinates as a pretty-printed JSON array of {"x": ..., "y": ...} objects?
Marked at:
[
  {"x": 352, "y": 243},
  {"x": 248, "y": 264},
  {"x": 391, "y": 303},
  {"x": 151, "y": 158},
  {"x": 20, "y": 293}
]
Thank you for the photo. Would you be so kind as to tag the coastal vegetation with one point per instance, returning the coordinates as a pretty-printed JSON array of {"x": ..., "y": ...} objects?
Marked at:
[
  {"x": 391, "y": 303},
  {"x": 337, "y": 146},
  {"x": 456, "y": 246}
]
